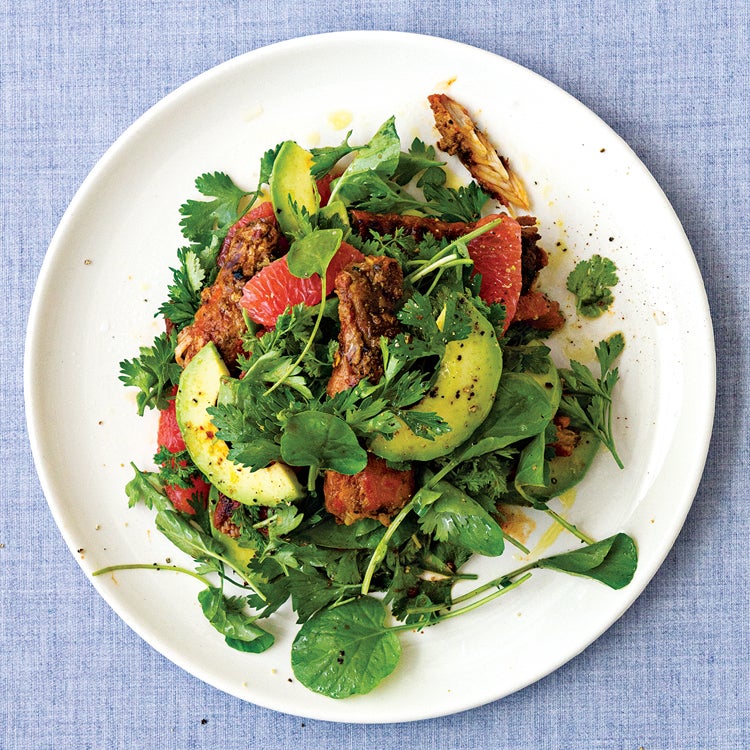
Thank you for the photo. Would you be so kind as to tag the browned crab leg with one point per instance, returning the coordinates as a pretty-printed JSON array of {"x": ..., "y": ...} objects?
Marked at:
[{"x": 462, "y": 138}]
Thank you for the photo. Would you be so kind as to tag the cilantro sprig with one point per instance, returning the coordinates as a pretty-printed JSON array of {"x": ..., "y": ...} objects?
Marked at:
[
  {"x": 154, "y": 372},
  {"x": 591, "y": 281},
  {"x": 588, "y": 399}
]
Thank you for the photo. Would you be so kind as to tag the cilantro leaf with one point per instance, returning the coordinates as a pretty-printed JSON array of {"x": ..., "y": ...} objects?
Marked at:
[
  {"x": 154, "y": 372},
  {"x": 457, "y": 518},
  {"x": 533, "y": 358},
  {"x": 587, "y": 399},
  {"x": 184, "y": 293},
  {"x": 325, "y": 158},
  {"x": 591, "y": 281},
  {"x": 266, "y": 165},
  {"x": 145, "y": 487},
  {"x": 419, "y": 158},
  {"x": 202, "y": 218}
]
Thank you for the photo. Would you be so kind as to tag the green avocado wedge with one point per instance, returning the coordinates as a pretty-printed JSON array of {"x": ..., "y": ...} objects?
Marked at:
[
  {"x": 463, "y": 394},
  {"x": 238, "y": 555},
  {"x": 198, "y": 389},
  {"x": 565, "y": 472},
  {"x": 292, "y": 184}
]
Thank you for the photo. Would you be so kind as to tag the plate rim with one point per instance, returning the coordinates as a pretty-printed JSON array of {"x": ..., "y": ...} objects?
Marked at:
[{"x": 56, "y": 247}]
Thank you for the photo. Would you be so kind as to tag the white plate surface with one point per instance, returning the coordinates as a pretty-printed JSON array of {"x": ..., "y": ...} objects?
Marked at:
[{"x": 106, "y": 273}]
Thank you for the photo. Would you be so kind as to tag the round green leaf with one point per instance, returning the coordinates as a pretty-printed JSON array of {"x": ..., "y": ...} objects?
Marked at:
[{"x": 345, "y": 650}]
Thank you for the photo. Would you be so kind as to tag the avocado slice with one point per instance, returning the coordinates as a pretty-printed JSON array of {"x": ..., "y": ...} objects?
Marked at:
[
  {"x": 198, "y": 389},
  {"x": 292, "y": 180},
  {"x": 566, "y": 472},
  {"x": 238, "y": 555},
  {"x": 463, "y": 394}
]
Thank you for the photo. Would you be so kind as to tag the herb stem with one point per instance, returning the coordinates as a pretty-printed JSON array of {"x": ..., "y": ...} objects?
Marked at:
[
  {"x": 308, "y": 345},
  {"x": 468, "y": 608},
  {"x": 154, "y": 566},
  {"x": 451, "y": 253},
  {"x": 569, "y": 526},
  {"x": 518, "y": 545},
  {"x": 382, "y": 547},
  {"x": 440, "y": 264}
]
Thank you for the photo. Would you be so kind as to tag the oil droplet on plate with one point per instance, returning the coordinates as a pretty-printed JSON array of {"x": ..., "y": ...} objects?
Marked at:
[
  {"x": 340, "y": 119},
  {"x": 550, "y": 535}
]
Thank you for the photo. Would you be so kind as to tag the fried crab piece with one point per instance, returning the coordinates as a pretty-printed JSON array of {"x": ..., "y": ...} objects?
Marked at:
[
  {"x": 462, "y": 138},
  {"x": 368, "y": 292},
  {"x": 219, "y": 317},
  {"x": 377, "y": 492}
]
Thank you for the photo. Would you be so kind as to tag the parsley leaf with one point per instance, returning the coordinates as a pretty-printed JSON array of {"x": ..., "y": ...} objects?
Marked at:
[
  {"x": 154, "y": 372},
  {"x": 590, "y": 281},
  {"x": 533, "y": 358},
  {"x": 455, "y": 204}
]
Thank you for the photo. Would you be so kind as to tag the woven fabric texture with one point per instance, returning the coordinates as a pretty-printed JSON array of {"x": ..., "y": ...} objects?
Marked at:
[{"x": 673, "y": 80}]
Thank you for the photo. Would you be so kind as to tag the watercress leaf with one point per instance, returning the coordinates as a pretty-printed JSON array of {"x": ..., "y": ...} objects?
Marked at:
[
  {"x": 346, "y": 650},
  {"x": 312, "y": 253},
  {"x": 365, "y": 534},
  {"x": 533, "y": 470},
  {"x": 423, "y": 498},
  {"x": 262, "y": 643},
  {"x": 380, "y": 155},
  {"x": 372, "y": 192},
  {"x": 226, "y": 615},
  {"x": 320, "y": 440},
  {"x": 523, "y": 407},
  {"x": 612, "y": 561},
  {"x": 457, "y": 518}
]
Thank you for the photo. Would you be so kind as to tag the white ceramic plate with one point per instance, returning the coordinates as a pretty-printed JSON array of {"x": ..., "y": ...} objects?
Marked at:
[{"x": 106, "y": 273}]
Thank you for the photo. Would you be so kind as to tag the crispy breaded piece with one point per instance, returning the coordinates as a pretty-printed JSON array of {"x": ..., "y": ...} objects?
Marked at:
[
  {"x": 375, "y": 492},
  {"x": 219, "y": 318},
  {"x": 368, "y": 291},
  {"x": 364, "y": 222},
  {"x": 461, "y": 137}
]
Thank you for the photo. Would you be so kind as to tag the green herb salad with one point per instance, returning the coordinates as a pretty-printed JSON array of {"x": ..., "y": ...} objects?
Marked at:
[{"x": 354, "y": 392}]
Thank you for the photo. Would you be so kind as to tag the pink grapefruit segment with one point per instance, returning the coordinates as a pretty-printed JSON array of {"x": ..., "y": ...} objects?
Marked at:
[
  {"x": 497, "y": 257},
  {"x": 267, "y": 294}
]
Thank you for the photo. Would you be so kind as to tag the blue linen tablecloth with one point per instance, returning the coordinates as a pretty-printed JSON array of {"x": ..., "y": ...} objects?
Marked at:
[{"x": 672, "y": 79}]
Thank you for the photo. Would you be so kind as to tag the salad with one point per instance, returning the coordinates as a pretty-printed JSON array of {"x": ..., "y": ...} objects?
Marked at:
[{"x": 354, "y": 391}]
